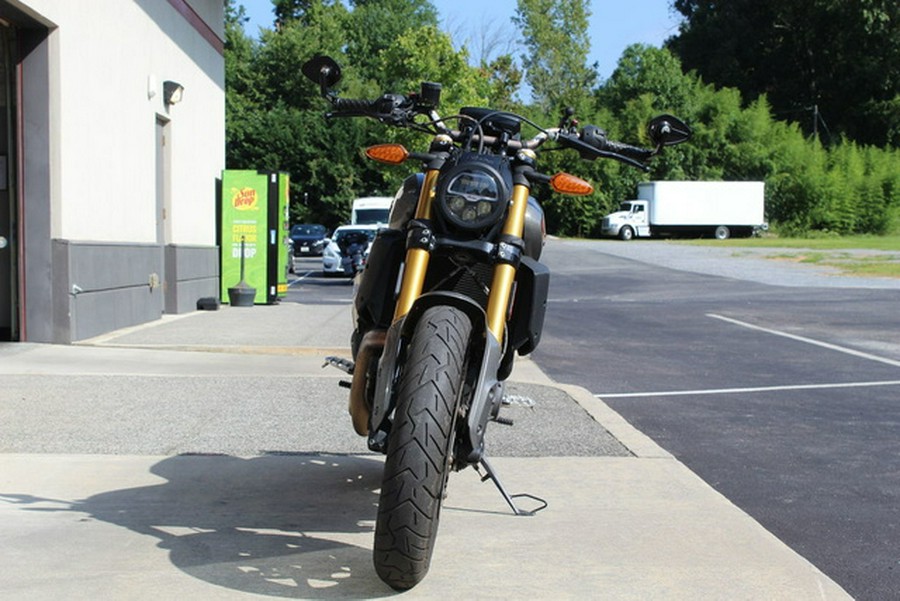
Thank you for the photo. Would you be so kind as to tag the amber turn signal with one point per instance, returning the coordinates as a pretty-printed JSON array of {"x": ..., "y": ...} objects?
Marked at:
[
  {"x": 569, "y": 184},
  {"x": 392, "y": 154}
]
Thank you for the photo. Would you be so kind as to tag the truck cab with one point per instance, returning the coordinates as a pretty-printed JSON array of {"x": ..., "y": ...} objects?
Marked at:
[{"x": 629, "y": 221}]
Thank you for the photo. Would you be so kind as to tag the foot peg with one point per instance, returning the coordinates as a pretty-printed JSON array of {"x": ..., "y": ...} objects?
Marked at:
[
  {"x": 513, "y": 399},
  {"x": 345, "y": 365}
]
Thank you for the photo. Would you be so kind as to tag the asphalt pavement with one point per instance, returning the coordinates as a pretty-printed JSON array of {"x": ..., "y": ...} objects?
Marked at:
[{"x": 209, "y": 455}]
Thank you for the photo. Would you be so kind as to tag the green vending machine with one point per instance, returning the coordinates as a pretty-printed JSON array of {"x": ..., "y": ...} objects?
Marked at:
[{"x": 253, "y": 211}]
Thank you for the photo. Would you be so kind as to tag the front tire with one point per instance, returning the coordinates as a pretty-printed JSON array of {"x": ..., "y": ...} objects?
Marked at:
[
  {"x": 722, "y": 233},
  {"x": 626, "y": 233},
  {"x": 420, "y": 447}
]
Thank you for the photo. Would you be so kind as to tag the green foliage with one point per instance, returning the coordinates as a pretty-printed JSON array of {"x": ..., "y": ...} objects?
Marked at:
[
  {"x": 847, "y": 189},
  {"x": 275, "y": 117},
  {"x": 844, "y": 188},
  {"x": 557, "y": 43},
  {"x": 643, "y": 70},
  {"x": 841, "y": 56},
  {"x": 376, "y": 26},
  {"x": 503, "y": 79},
  {"x": 427, "y": 54}
]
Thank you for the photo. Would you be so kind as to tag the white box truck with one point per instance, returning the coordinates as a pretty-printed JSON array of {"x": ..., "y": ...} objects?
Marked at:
[
  {"x": 371, "y": 210},
  {"x": 720, "y": 209}
]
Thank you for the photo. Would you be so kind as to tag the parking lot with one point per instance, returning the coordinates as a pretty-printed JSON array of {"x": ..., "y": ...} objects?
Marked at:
[{"x": 776, "y": 382}]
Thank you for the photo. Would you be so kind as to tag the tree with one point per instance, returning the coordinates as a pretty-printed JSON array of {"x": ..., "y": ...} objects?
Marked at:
[
  {"x": 427, "y": 54},
  {"x": 293, "y": 10},
  {"x": 842, "y": 188},
  {"x": 241, "y": 81},
  {"x": 826, "y": 63},
  {"x": 644, "y": 69},
  {"x": 275, "y": 117},
  {"x": 557, "y": 45},
  {"x": 504, "y": 79},
  {"x": 378, "y": 23}
]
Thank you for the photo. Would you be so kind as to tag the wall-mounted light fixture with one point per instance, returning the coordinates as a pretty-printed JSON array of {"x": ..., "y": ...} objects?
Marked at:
[{"x": 172, "y": 92}]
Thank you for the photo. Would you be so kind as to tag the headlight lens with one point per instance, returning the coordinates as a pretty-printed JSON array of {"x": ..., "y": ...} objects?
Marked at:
[{"x": 472, "y": 196}]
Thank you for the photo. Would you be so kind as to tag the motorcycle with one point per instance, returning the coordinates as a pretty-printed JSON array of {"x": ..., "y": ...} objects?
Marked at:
[
  {"x": 452, "y": 291},
  {"x": 354, "y": 251}
]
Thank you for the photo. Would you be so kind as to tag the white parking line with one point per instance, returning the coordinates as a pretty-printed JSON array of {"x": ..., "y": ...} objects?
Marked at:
[
  {"x": 750, "y": 326},
  {"x": 626, "y": 395},
  {"x": 827, "y": 345},
  {"x": 301, "y": 278}
]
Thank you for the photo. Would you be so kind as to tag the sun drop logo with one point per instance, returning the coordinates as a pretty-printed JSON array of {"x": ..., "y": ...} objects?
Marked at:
[{"x": 244, "y": 199}]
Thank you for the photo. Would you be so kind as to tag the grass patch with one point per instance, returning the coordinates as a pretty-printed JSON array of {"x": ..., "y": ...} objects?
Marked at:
[
  {"x": 829, "y": 251},
  {"x": 836, "y": 252},
  {"x": 876, "y": 266},
  {"x": 825, "y": 251},
  {"x": 814, "y": 258},
  {"x": 829, "y": 243},
  {"x": 880, "y": 266}
]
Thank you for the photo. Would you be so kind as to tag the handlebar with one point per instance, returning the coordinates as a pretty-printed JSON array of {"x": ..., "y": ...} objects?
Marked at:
[
  {"x": 596, "y": 137},
  {"x": 399, "y": 110}
]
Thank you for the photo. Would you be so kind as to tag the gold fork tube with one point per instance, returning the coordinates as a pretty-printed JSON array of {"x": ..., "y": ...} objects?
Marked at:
[
  {"x": 416, "y": 264},
  {"x": 504, "y": 273}
]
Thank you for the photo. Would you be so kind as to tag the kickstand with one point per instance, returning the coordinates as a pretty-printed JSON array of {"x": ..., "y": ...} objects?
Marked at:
[{"x": 492, "y": 475}]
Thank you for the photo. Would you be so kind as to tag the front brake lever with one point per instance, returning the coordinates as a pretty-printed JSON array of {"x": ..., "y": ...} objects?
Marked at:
[{"x": 622, "y": 159}]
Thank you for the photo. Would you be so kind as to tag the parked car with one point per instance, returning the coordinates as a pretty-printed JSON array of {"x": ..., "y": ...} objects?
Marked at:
[
  {"x": 308, "y": 239},
  {"x": 347, "y": 249}
]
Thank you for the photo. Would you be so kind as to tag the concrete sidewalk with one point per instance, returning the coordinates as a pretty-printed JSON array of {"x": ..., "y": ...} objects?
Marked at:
[{"x": 210, "y": 456}]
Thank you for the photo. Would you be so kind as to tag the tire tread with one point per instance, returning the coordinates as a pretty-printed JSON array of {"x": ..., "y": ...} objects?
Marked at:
[{"x": 417, "y": 460}]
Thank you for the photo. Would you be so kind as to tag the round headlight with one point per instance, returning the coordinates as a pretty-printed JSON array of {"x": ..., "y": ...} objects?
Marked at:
[{"x": 472, "y": 195}]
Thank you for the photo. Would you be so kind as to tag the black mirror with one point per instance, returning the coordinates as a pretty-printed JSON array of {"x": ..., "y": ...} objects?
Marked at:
[
  {"x": 324, "y": 71},
  {"x": 667, "y": 130}
]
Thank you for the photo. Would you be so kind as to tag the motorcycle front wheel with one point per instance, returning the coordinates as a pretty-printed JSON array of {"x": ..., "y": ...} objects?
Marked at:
[{"x": 419, "y": 451}]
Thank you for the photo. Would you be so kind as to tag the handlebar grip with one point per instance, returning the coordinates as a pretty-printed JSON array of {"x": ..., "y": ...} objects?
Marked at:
[
  {"x": 389, "y": 108},
  {"x": 351, "y": 105}
]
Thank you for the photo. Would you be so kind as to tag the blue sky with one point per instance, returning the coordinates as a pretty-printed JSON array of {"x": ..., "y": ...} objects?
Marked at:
[{"x": 615, "y": 24}]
